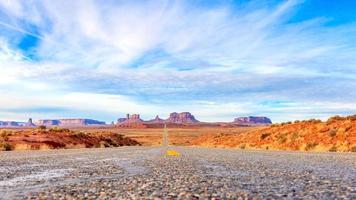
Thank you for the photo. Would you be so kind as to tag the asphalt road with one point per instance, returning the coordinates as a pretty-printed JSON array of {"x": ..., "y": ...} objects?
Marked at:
[{"x": 199, "y": 173}]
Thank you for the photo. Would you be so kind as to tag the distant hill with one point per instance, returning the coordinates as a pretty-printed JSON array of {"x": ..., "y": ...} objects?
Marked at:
[{"x": 69, "y": 122}]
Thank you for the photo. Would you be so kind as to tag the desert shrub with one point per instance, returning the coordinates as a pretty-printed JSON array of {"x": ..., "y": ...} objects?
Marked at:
[
  {"x": 334, "y": 118},
  {"x": 58, "y": 129},
  {"x": 242, "y": 146},
  {"x": 42, "y": 128},
  {"x": 4, "y": 136},
  {"x": 111, "y": 142},
  {"x": 333, "y": 149},
  {"x": 274, "y": 125},
  {"x": 348, "y": 127},
  {"x": 55, "y": 128},
  {"x": 5, "y": 133},
  {"x": 295, "y": 136},
  {"x": 265, "y": 135},
  {"x": 351, "y": 117},
  {"x": 4, "y": 146},
  {"x": 332, "y": 132},
  {"x": 311, "y": 145},
  {"x": 80, "y": 134},
  {"x": 119, "y": 136},
  {"x": 282, "y": 138},
  {"x": 353, "y": 149},
  {"x": 314, "y": 121},
  {"x": 296, "y": 121},
  {"x": 285, "y": 123}
]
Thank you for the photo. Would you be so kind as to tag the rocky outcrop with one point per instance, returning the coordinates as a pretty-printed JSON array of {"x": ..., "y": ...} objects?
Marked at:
[
  {"x": 156, "y": 120},
  {"x": 181, "y": 118},
  {"x": 30, "y": 123},
  {"x": 252, "y": 120},
  {"x": 133, "y": 120},
  {"x": 69, "y": 122}
]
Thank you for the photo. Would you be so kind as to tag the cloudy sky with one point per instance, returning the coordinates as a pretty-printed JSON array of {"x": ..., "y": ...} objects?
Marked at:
[{"x": 217, "y": 59}]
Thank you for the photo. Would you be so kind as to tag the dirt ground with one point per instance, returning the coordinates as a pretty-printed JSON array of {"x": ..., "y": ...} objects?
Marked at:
[{"x": 177, "y": 136}]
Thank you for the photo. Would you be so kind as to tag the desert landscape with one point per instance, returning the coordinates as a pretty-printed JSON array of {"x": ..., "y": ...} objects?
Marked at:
[
  {"x": 177, "y": 100},
  {"x": 179, "y": 158},
  {"x": 337, "y": 134}
]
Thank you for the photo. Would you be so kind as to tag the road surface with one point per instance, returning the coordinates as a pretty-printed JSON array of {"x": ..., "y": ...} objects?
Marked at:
[{"x": 198, "y": 173}]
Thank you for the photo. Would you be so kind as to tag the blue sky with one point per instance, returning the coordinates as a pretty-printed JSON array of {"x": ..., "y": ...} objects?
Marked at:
[{"x": 217, "y": 59}]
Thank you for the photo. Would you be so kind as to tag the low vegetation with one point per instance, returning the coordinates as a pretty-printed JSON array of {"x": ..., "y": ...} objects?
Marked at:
[
  {"x": 332, "y": 132},
  {"x": 310, "y": 146},
  {"x": 4, "y": 140},
  {"x": 337, "y": 134}
]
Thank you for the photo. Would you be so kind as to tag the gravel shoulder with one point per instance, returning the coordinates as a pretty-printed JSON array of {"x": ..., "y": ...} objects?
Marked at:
[{"x": 199, "y": 173}]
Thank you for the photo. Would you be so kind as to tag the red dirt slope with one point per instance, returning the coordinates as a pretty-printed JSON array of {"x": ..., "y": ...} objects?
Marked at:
[
  {"x": 59, "y": 138},
  {"x": 337, "y": 134}
]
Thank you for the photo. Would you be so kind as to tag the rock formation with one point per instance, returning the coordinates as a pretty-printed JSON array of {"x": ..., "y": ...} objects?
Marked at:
[
  {"x": 133, "y": 120},
  {"x": 69, "y": 122},
  {"x": 156, "y": 120},
  {"x": 252, "y": 120},
  {"x": 181, "y": 118},
  {"x": 30, "y": 122}
]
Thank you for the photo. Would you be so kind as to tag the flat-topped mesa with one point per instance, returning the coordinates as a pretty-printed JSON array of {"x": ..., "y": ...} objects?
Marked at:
[
  {"x": 9, "y": 124},
  {"x": 181, "y": 118},
  {"x": 252, "y": 120},
  {"x": 69, "y": 122}
]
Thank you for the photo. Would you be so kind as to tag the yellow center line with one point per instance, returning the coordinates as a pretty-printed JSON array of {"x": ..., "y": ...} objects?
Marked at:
[{"x": 166, "y": 144}]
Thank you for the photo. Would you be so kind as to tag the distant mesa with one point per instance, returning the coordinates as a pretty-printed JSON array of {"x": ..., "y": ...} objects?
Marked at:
[
  {"x": 181, "y": 118},
  {"x": 132, "y": 121},
  {"x": 134, "y": 118},
  {"x": 251, "y": 120},
  {"x": 69, "y": 122},
  {"x": 9, "y": 123}
]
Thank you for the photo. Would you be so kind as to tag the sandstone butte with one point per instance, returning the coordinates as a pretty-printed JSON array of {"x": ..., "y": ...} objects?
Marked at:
[{"x": 336, "y": 134}]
